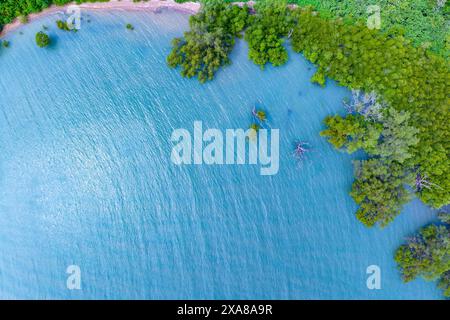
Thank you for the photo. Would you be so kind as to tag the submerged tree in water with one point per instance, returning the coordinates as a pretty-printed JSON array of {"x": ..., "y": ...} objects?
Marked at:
[
  {"x": 300, "y": 149},
  {"x": 259, "y": 115},
  {"x": 255, "y": 127}
]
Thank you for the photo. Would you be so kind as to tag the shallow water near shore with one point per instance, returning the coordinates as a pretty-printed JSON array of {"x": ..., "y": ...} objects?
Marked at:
[{"x": 86, "y": 177}]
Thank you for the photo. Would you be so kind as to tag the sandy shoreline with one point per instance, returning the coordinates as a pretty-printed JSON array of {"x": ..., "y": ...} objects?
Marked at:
[{"x": 150, "y": 6}]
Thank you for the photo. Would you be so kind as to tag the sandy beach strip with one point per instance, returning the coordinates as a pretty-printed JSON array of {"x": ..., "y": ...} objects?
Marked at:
[{"x": 150, "y": 6}]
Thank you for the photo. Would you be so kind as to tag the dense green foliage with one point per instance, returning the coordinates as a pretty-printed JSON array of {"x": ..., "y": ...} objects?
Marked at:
[
  {"x": 422, "y": 21},
  {"x": 444, "y": 283},
  {"x": 42, "y": 39},
  {"x": 352, "y": 133},
  {"x": 319, "y": 78},
  {"x": 412, "y": 81},
  {"x": 380, "y": 191},
  {"x": 398, "y": 138},
  {"x": 63, "y": 25},
  {"x": 266, "y": 32},
  {"x": 427, "y": 255},
  {"x": 380, "y": 182},
  {"x": 425, "y": 22},
  {"x": 205, "y": 48}
]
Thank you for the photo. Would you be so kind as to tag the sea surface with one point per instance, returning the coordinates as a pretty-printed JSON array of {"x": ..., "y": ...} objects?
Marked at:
[{"x": 86, "y": 177}]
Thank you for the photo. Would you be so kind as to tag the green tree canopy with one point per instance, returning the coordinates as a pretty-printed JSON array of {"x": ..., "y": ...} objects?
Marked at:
[
  {"x": 380, "y": 191},
  {"x": 397, "y": 137},
  {"x": 352, "y": 133},
  {"x": 427, "y": 255},
  {"x": 266, "y": 32},
  {"x": 205, "y": 48},
  {"x": 42, "y": 39}
]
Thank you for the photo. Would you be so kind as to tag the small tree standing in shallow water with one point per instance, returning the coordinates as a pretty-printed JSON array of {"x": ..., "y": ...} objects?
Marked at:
[
  {"x": 42, "y": 39},
  {"x": 300, "y": 149}
]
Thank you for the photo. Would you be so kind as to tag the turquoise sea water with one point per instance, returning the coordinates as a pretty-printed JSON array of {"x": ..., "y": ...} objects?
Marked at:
[{"x": 86, "y": 177}]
